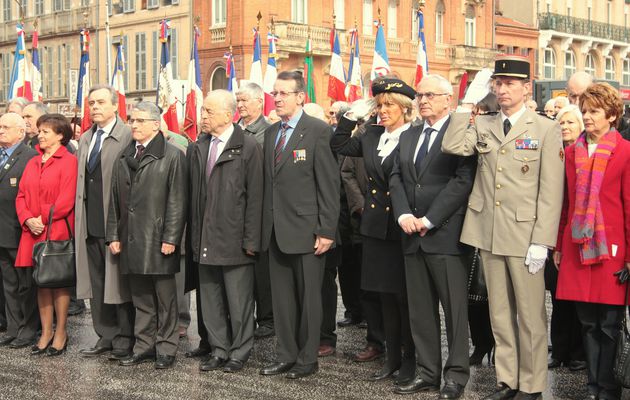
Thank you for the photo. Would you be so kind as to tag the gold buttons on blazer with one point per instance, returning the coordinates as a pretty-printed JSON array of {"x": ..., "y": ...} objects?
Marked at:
[
  {"x": 500, "y": 169},
  {"x": 502, "y": 151},
  {"x": 387, "y": 193},
  {"x": 373, "y": 191},
  {"x": 498, "y": 204},
  {"x": 370, "y": 178},
  {"x": 498, "y": 186},
  {"x": 386, "y": 208},
  {"x": 372, "y": 206}
]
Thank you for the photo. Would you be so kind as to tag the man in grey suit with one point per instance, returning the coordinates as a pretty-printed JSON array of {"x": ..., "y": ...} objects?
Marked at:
[
  {"x": 249, "y": 104},
  {"x": 300, "y": 213},
  {"x": 18, "y": 287},
  {"x": 429, "y": 194},
  {"x": 98, "y": 277},
  {"x": 226, "y": 203}
]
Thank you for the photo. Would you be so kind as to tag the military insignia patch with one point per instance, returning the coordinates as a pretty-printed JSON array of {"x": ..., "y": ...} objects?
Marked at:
[
  {"x": 526, "y": 144},
  {"x": 525, "y": 168},
  {"x": 299, "y": 155}
]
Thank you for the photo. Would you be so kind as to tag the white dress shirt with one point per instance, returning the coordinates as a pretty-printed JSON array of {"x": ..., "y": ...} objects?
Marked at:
[{"x": 389, "y": 140}]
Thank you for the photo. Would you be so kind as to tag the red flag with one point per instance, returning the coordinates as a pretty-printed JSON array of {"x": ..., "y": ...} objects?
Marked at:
[{"x": 462, "y": 85}]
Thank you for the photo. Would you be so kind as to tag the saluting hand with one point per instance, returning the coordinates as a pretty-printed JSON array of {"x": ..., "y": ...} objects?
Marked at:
[
  {"x": 114, "y": 247},
  {"x": 322, "y": 245}
]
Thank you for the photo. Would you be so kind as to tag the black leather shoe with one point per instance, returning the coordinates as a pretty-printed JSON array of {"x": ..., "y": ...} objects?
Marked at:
[
  {"x": 416, "y": 385},
  {"x": 383, "y": 373},
  {"x": 198, "y": 352},
  {"x": 164, "y": 362},
  {"x": 348, "y": 321},
  {"x": 233, "y": 365},
  {"x": 21, "y": 343},
  {"x": 264, "y": 331},
  {"x": 302, "y": 371},
  {"x": 503, "y": 392},
  {"x": 451, "y": 390},
  {"x": 53, "y": 352},
  {"x": 576, "y": 365},
  {"x": 6, "y": 340},
  {"x": 76, "y": 307},
  {"x": 553, "y": 363},
  {"x": 211, "y": 364},
  {"x": 117, "y": 355},
  {"x": 136, "y": 359},
  {"x": 35, "y": 350},
  {"x": 276, "y": 368},
  {"x": 94, "y": 351},
  {"x": 527, "y": 396}
]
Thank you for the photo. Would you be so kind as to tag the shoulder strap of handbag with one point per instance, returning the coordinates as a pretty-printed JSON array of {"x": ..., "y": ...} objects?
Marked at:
[{"x": 50, "y": 220}]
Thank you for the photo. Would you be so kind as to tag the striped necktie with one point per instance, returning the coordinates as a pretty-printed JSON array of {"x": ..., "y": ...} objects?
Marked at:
[{"x": 281, "y": 142}]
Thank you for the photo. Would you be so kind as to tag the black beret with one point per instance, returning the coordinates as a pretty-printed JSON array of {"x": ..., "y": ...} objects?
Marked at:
[
  {"x": 511, "y": 66},
  {"x": 391, "y": 85}
]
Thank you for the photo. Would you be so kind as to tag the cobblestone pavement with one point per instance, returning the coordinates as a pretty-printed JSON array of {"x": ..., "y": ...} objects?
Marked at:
[{"x": 73, "y": 377}]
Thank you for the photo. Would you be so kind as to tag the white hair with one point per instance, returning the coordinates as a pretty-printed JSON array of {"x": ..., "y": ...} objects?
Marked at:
[
  {"x": 443, "y": 83},
  {"x": 571, "y": 109}
]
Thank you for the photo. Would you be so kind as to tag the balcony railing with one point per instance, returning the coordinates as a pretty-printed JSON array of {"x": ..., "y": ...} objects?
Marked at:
[
  {"x": 59, "y": 22},
  {"x": 581, "y": 26}
]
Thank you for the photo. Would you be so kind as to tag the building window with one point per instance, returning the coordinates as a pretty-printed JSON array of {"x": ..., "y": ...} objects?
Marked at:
[
  {"x": 589, "y": 65},
  {"x": 129, "y": 6},
  {"x": 60, "y": 75},
  {"x": 173, "y": 53},
  {"x": 125, "y": 51},
  {"x": 340, "y": 13},
  {"x": 68, "y": 64},
  {"x": 6, "y": 10},
  {"x": 392, "y": 18},
  {"x": 39, "y": 7},
  {"x": 625, "y": 72},
  {"x": 470, "y": 26},
  {"x": 219, "y": 80},
  {"x": 299, "y": 10},
  {"x": 440, "y": 10},
  {"x": 219, "y": 12},
  {"x": 141, "y": 61},
  {"x": 609, "y": 68},
  {"x": 549, "y": 64},
  {"x": 6, "y": 75},
  {"x": 152, "y": 4},
  {"x": 49, "y": 72},
  {"x": 85, "y": 3},
  {"x": 569, "y": 64},
  {"x": 367, "y": 18},
  {"x": 155, "y": 58}
]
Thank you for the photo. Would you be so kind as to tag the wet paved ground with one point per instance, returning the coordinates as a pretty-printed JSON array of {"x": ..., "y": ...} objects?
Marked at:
[{"x": 73, "y": 377}]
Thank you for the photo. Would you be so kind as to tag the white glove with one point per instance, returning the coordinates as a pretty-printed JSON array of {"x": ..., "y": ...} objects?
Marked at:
[
  {"x": 360, "y": 109},
  {"x": 536, "y": 256},
  {"x": 479, "y": 87}
]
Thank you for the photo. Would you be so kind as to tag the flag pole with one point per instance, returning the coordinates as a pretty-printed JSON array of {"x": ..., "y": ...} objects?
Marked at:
[{"x": 108, "y": 40}]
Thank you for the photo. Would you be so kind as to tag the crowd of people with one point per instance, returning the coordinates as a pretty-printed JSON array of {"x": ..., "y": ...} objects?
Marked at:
[{"x": 402, "y": 197}]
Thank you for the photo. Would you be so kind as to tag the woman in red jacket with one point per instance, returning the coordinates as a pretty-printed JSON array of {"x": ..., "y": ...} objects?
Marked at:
[
  {"x": 596, "y": 241},
  {"x": 49, "y": 180}
]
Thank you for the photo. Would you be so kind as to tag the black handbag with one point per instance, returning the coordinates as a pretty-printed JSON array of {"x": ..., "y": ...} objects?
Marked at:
[
  {"x": 53, "y": 260},
  {"x": 477, "y": 290},
  {"x": 621, "y": 368}
]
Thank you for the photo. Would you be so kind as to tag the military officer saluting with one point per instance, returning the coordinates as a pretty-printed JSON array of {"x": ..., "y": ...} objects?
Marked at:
[{"x": 512, "y": 217}]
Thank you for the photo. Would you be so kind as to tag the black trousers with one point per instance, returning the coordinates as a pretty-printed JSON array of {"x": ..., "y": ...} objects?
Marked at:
[
  {"x": 3, "y": 316},
  {"x": 480, "y": 328},
  {"x": 327, "y": 334},
  {"x": 262, "y": 291},
  {"x": 297, "y": 312},
  {"x": 20, "y": 297},
  {"x": 113, "y": 323},
  {"x": 401, "y": 351},
  {"x": 601, "y": 325},
  {"x": 373, "y": 314},
  {"x": 204, "y": 343},
  {"x": 566, "y": 331},
  {"x": 350, "y": 280}
]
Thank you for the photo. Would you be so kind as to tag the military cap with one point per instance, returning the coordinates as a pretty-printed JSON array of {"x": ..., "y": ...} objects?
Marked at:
[
  {"x": 511, "y": 66},
  {"x": 392, "y": 85}
]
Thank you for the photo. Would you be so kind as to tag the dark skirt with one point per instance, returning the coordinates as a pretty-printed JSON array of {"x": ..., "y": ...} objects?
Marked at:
[{"x": 383, "y": 268}]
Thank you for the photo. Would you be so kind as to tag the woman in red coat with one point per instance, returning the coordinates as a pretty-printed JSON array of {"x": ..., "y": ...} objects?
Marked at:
[
  {"x": 596, "y": 240},
  {"x": 48, "y": 180}
]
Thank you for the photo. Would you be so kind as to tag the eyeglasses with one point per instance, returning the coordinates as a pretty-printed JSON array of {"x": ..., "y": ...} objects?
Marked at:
[
  {"x": 283, "y": 95},
  {"x": 138, "y": 120},
  {"x": 429, "y": 95}
]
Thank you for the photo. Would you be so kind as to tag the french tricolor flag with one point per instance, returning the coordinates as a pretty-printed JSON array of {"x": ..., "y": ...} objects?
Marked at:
[
  {"x": 194, "y": 100},
  {"x": 380, "y": 62},
  {"x": 354, "y": 88},
  {"x": 255, "y": 73},
  {"x": 422, "y": 64},
  {"x": 118, "y": 83},
  {"x": 84, "y": 81},
  {"x": 37, "y": 69},
  {"x": 270, "y": 74},
  {"x": 337, "y": 77},
  {"x": 20, "y": 85},
  {"x": 166, "y": 99}
]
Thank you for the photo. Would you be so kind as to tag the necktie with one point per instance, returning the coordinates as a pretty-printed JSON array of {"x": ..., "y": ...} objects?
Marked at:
[
  {"x": 424, "y": 148},
  {"x": 139, "y": 151},
  {"x": 506, "y": 126},
  {"x": 212, "y": 157},
  {"x": 3, "y": 157},
  {"x": 95, "y": 150},
  {"x": 280, "y": 145}
]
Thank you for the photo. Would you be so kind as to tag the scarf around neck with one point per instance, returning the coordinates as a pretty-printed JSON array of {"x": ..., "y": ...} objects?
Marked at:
[{"x": 587, "y": 226}]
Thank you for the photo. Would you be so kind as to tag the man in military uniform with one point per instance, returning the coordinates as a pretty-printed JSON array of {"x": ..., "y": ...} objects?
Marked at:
[{"x": 512, "y": 217}]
